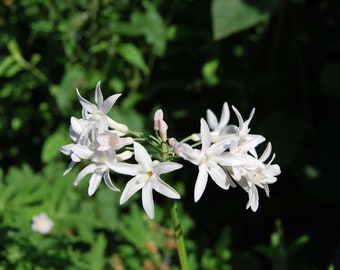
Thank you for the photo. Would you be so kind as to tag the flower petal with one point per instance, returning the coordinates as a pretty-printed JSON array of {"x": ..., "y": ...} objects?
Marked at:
[
  {"x": 95, "y": 181},
  {"x": 228, "y": 159},
  {"x": 87, "y": 105},
  {"x": 201, "y": 182},
  {"x": 69, "y": 167},
  {"x": 266, "y": 153},
  {"x": 247, "y": 122},
  {"x": 212, "y": 119},
  {"x": 131, "y": 188},
  {"x": 219, "y": 147},
  {"x": 205, "y": 135},
  {"x": 82, "y": 151},
  {"x": 164, "y": 167},
  {"x": 108, "y": 181},
  {"x": 239, "y": 117},
  {"x": 251, "y": 143},
  {"x": 142, "y": 157},
  {"x": 67, "y": 149},
  {"x": 76, "y": 126},
  {"x": 108, "y": 103},
  {"x": 147, "y": 200},
  {"x": 98, "y": 96},
  {"x": 253, "y": 202},
  {"x": 225, "y": 116},
  {"x": 124, "y": 168},
  {"x": 88, "y": 169},
  {"x": 124, "y": 155},
  {"x": 163, "y": 188},
  {"x": 219, "y": 176}
]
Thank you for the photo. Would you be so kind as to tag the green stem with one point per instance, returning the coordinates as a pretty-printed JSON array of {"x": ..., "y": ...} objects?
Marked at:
[{"x": 179, "y": 238}]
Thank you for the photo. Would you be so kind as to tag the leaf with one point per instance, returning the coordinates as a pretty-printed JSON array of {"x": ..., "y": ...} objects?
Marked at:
[
  {"x": 97, "y": 253},
  {"x": 152, "y": 25},
  {"x": 209, "y": 70},
  {"x": 51, "y": 147},
  {"x": 99, "y": 47},
  {"x": 65, "y": 92},
  {"x": 133, "y": 55},
  {"x": 232, "y": 16},
  {"x": 129, "y": 117},
  {"x": 6, "y": 63}
]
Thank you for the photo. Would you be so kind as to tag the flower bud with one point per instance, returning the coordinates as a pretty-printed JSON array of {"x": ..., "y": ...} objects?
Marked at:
[{"x": 160, "y": 125}]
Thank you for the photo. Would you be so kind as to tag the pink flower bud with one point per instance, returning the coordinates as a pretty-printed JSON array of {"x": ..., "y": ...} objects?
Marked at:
[
  {"x": 163, "y": 127},
  {"x": 160, "y": 125},
  {"x": 157, "y": 118}
]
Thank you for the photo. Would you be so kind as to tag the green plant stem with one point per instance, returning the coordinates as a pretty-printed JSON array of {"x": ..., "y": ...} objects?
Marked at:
[{"x": 179, "y": 238}]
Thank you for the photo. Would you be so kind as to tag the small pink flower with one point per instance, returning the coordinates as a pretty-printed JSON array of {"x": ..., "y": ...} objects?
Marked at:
[{"x": 42, "y": 223}]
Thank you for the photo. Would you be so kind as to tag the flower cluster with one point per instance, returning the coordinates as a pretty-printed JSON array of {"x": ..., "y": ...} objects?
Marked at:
[{"x": 228, "y": 154}]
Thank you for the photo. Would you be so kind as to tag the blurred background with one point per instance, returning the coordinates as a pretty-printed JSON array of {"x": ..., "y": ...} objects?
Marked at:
[{"x": 281, "y": 57}]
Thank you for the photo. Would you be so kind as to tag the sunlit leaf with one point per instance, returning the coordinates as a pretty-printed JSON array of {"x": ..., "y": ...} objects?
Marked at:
[
  {"x": 209, "y": 72},
  {"x": 232, "y": 16},
  {"x": 51, "y": 147},
  {"x": 152, "y": 25},
  {"x": 133, "y": 55}
]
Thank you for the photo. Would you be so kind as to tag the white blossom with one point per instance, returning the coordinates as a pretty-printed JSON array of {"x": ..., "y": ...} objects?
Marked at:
[
  {"x": 42, "y": 223},
  {"x": 98, "y": 113},
  {"x": 227, "y": 154},
  {"x": 220, "y": 129},
  {"x": 209, "y": 160},
  {"x": 146, "y": 177},
  {"x": 260, "y": 176}
]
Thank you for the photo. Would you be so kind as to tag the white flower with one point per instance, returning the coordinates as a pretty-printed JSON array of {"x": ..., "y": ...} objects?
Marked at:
[
  {"x": 260, "y": 176},
  {"x": 42, "y": 223},
  {"x": 146, "y": 177},
  {"x": 110, "y": 139},
  {"x": 220, "y": 129},
  {"x": 98, "y": 113},
  {"x": 241, "y": 150},
  {"x": 82, "y": 132},
  {"x": 209, "y": 160},
  {"x": 242, "y": 131},
  {"x": 99, "y": 168}
]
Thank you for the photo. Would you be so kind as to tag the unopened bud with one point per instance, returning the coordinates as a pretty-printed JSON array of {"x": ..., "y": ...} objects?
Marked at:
[{"x": 160, "y": 125}]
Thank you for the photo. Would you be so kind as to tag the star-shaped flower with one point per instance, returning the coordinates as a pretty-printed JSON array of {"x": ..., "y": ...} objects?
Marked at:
[
  {"x": 220, "y": 129},
  {"x": 99, "y": 168},
  {"x": 98, "y": 113},
  {"x": 146, "y": 177},
  {"x": 259, "y": 177},
  {"x": 209, "y": 159}
]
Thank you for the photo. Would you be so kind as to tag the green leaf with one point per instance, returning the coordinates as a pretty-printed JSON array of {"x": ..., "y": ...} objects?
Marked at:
[
  {"x": 152, "y": 25},
  {"x": 129, "y": 117},
  {"x": 51, "y": 147},
  {"x": 209, "y": 72},
  {"x": 97, "y": 253},
  {"x": 117, "y": 84},
  {"x": 6, "y": 63},
  {"x": 65, "y": 92},
  {"x": 232, "y": 16},
  {"x": 133, "y": 55},
  {"x": 101, "y": 46}
]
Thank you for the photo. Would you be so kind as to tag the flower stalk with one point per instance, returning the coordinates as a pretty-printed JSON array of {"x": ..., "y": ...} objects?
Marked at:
[{"x": 182, "y": 254}]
